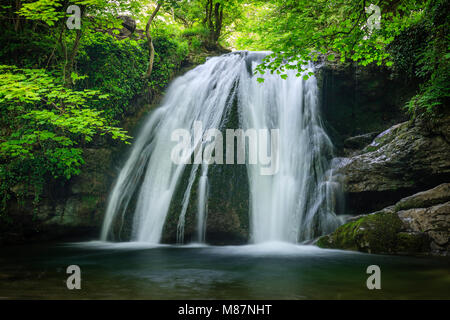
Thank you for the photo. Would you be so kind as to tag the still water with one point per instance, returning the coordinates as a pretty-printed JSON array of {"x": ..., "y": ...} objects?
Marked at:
[{"x": 264, "y": 271}]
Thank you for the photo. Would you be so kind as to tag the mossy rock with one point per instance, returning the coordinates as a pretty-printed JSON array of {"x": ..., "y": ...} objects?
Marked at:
[
  {"x": 387, "y": 137},
  {"x": 381, "y": 232},
  {"x": 412, "y": 242}
]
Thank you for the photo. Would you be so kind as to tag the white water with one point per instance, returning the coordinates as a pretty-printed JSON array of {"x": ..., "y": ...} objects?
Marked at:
[{"x": 293, "y": 205}]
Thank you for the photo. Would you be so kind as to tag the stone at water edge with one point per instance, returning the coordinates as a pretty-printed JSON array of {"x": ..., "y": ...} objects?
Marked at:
[{"x": 424, "y": 229}]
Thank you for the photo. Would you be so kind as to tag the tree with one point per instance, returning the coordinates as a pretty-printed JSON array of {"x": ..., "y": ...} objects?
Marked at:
[
  {"x": 168, "y": 6},
  {"x": 95, "y": 15},
  {"x": 150, "y": 40},
  {"x": 44, "y": 124},
  {"x": 214, "y": 19},
  {"x": 300, "y": 31}
]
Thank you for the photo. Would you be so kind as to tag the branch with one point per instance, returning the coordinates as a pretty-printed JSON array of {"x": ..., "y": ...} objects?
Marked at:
[{"x": 150, "y": 41}]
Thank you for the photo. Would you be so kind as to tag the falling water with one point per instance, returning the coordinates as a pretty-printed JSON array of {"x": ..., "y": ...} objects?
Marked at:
[{"x": 295, "y": 204}]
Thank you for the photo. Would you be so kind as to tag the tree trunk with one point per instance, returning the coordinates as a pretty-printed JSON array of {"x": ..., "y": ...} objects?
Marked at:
[
  {"x": 17, "y": 22},
  {"x": 150, "y": 41},
  {"x": 213, "y": 20},
  {"x": 218, "y": 13},
  {"x": 70, "y": 57}
]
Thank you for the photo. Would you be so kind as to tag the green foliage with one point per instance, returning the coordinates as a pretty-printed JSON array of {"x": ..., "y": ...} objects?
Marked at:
[
  {"x": 27, "y": 49},
  {"x": 406, "y": 48},
  {"x": 197, "y": 36},
  {"x": 44, "y": 125},
  {"x": 299, "y": 31},
  {"x": 210, "y": 23},
  {"x": 48, "y": 11},
  {"x": 115, "y": 68},
  {"x": 112, "y": 67},
  {"x": 431, "y": 62},
  {"x": 60, "y": 88},
  {"x": 412, "y": 39},
  {"x": 171, "y": 50}
]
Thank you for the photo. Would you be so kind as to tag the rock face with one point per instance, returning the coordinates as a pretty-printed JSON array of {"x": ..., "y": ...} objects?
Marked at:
[
  {"x": 360, "y": 141},
  {"x": 356, "y": 101},
  {"x": 75, "y": 209},
  {"x": 418, "y": 224},
  {"x": 129, "y": 26},
  {"x": 404, "y": 159}
]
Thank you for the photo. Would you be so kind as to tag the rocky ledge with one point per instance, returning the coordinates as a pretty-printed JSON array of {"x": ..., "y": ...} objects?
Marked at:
[
  {"x": 407, "y": 158},
  {"x": 418, "y": 224},
  {"x": 385, "y": 179}
]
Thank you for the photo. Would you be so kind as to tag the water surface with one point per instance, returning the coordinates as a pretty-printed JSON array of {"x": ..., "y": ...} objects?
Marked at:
[{"x": 265, "y": 271}]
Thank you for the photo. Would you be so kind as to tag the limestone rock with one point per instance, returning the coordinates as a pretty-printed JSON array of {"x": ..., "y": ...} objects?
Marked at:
[
  {"x": 360, "y": 141},
  {"x": 418, "y": 224},
  {"x": 433, "y": 221},
  {"x": 425, "y": 199},
  {"x": 404, "y": 159}
]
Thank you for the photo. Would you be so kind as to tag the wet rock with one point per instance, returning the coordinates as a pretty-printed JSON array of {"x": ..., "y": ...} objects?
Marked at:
[
  {"x": 425, "y": 199},
  {"x": 74, "y": 209},
  {"x": 360, "y": 141},
  {"x": 228, "y": 204},
  {"x": 421, "y": 227},
  {"x": 79, "y": 211},
  {"x": 433, "y": 221},
  {"x": 402, "y": 160},
  {"x": 356, "y": 101}
]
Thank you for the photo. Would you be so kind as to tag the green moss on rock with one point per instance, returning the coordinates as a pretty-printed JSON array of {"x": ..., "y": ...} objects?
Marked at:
[
  {"x": 412, "y": 242},
  {"x": 380, "y": 232}
]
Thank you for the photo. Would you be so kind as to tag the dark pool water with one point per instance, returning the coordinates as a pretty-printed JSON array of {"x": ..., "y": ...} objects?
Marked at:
[{"x": 269, "y": 271}]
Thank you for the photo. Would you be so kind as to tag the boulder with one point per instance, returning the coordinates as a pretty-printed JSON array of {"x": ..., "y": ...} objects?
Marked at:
[
  {"x": 433, "y": 221},
  {"x": 419, "y": 224},
  {"x": 402, "y": 160},
  {"x": 425, "y": 199}
]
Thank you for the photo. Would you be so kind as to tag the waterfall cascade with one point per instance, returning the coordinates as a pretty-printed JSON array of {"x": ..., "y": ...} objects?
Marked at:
[{"x": 295, "y": 204}]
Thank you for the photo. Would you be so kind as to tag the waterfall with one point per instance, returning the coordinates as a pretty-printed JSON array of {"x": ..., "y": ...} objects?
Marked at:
[{"x": 294, "y": 204}]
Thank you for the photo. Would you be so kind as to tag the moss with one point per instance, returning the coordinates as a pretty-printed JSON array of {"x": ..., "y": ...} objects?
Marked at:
[
  {"x": 376, "y": 233},
  {"x": 412, "y": 242},
  {"x": 380, "y": 232},
  {"x": 323, "y": 242},
  {"x": 343, "y": 238},
  {"x": 371, "y": 148}
]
